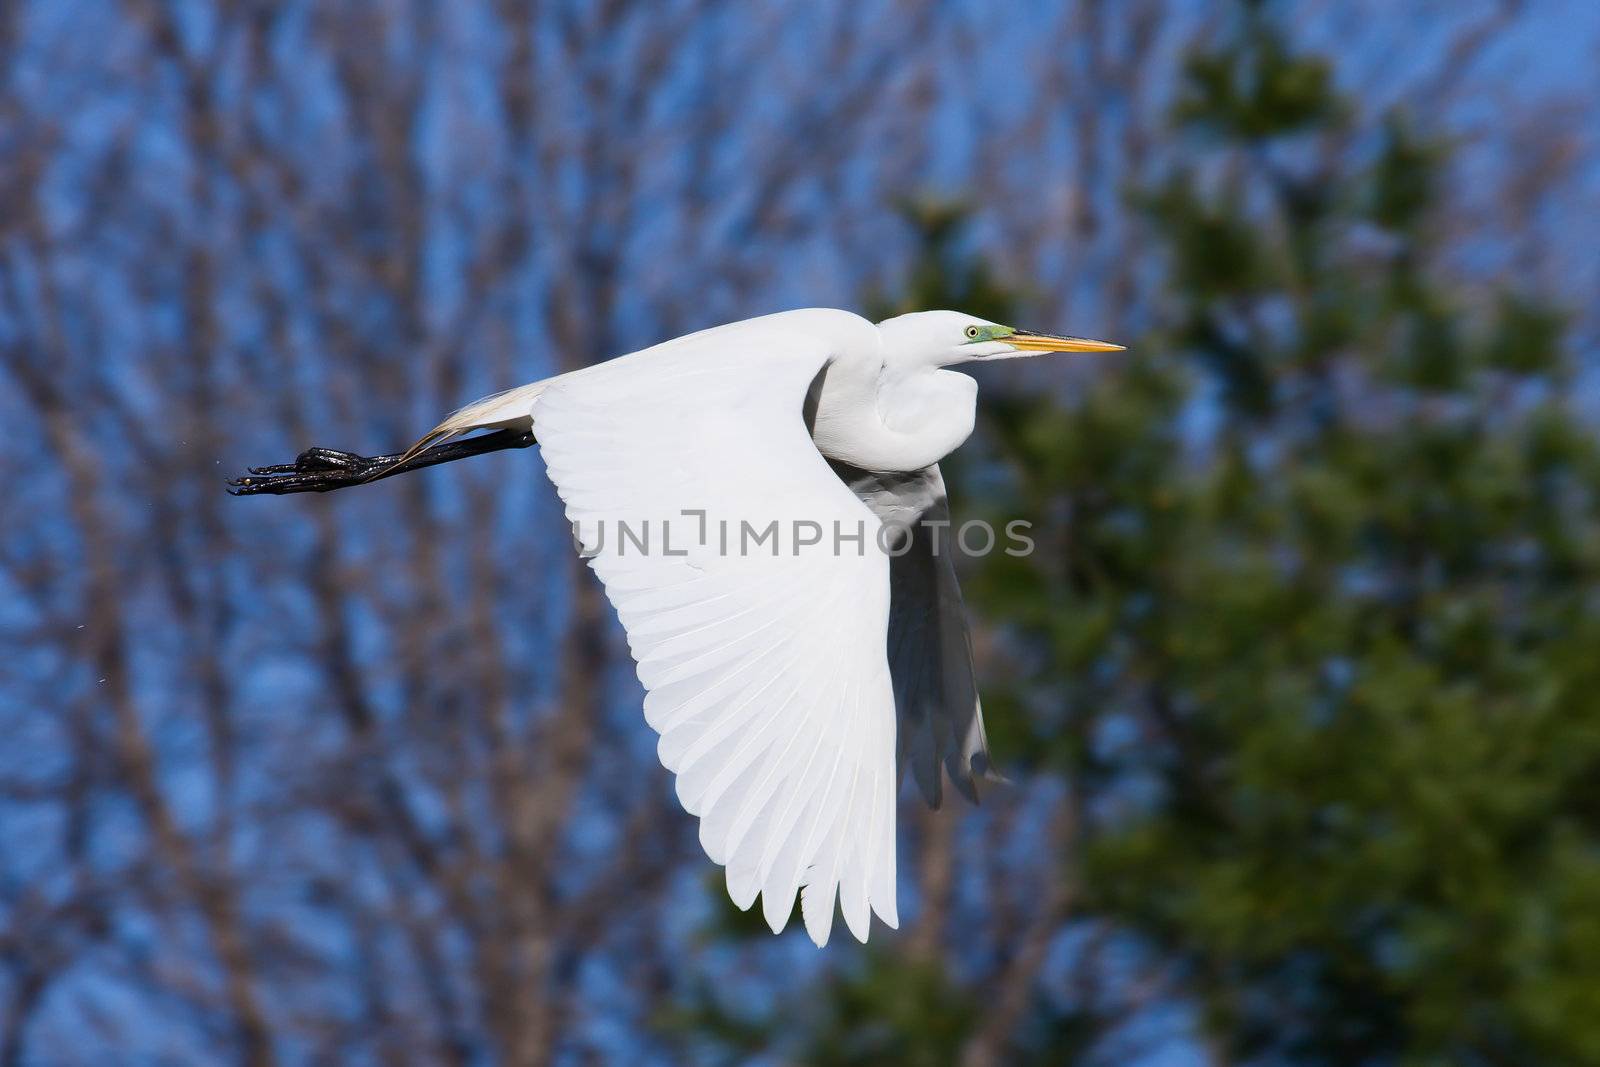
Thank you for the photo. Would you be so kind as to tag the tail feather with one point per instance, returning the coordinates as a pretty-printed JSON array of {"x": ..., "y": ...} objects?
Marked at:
[{"x": 512, "y": 408}]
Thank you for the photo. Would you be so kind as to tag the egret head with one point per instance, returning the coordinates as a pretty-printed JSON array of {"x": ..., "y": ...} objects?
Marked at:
[{"x": 943, "y": 338}]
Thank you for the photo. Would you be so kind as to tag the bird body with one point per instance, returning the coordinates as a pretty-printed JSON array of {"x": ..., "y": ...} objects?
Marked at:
[
  {"x": 880, "y": 405},
  {"x": 731, "y": 489}
]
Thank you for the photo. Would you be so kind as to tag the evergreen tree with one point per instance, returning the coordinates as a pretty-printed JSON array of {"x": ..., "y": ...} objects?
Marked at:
[
  {"x": 1312, "y": 627},
  {"x": 1320, "y": 633}
]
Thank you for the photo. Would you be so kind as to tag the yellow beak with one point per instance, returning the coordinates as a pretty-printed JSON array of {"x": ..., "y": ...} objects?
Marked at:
[{"x": 1028, "y": 341}]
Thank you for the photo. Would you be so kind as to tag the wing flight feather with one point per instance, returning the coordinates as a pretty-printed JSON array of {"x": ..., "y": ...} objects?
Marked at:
[{"x": 765, "y": 664}]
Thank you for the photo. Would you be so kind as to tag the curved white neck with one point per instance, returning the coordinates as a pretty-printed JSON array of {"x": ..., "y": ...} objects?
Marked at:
[{"x": 871, "y": 417}]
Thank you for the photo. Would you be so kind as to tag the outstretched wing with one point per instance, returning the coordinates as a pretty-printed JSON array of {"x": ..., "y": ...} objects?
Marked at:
[
  {"x": 930, "y": 649},
  {"x": 691, "y": 480}
]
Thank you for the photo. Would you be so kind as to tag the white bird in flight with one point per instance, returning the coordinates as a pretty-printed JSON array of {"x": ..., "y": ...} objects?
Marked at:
[{"x": 792, "y": 679}]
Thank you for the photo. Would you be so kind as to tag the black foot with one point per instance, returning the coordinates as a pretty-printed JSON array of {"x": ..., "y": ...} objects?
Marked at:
[
  {"x": 311, "y": 472},
  {"x": 317, "y": 470}
]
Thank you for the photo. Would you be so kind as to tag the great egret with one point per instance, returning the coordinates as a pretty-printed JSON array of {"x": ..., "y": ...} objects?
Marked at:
[{"x": 791, "y": 684}]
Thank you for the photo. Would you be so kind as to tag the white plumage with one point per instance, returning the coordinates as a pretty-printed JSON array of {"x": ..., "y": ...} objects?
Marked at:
[
  {"x": 765, "y": 673},
  {"x": 728, "y": 487}
]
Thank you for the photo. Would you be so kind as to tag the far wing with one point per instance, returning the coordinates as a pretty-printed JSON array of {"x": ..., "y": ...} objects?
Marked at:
[
  {"x": 930, "y": 648},
  {"x": 764, "y": 659}
]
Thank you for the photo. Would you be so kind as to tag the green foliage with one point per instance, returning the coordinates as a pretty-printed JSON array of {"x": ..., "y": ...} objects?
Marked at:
[
  {"x": 1526, "y": 339},
  {"x": 1351, "y": 626},
  {"x": 1311, "y": 622},
  {"x": 1401, "y": 186},
  {"x": 1254, "y": 88}
]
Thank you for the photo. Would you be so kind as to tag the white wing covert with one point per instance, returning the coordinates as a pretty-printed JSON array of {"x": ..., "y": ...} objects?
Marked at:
[{"x": 690, "y": 477}]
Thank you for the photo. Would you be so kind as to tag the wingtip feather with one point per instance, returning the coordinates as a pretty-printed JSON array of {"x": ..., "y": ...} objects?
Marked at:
[{"x": 776, "y": 908}]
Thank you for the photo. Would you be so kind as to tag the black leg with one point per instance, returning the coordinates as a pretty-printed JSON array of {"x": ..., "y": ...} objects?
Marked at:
[{"x": 317, "y": 470}]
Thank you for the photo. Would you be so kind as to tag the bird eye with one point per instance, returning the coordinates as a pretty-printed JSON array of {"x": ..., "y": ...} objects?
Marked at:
[{"x": 972, "y": 332}]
